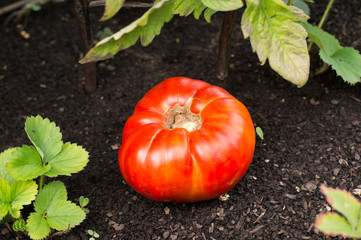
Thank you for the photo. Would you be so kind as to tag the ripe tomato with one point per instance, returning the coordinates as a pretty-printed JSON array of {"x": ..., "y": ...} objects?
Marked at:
[{"x": 187, "y": 141}]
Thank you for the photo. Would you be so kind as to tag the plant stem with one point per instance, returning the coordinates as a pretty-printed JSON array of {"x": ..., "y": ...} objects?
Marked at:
[
  {"x": 224, "y": 38},
  {"x": 325, "y": 13},
  {"x": 41, "y": 182},
  {"x": 288, "y": 2},
  {"x": 82, "y": 13}
]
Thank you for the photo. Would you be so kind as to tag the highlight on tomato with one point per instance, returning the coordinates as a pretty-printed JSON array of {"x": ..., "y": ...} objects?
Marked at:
[{"x": 187, "y": 141}]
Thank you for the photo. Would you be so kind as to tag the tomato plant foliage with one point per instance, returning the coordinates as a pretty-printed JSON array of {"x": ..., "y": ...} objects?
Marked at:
[
  {"x": 276, "y": 29},
  {"x": 187, "y": 141}
]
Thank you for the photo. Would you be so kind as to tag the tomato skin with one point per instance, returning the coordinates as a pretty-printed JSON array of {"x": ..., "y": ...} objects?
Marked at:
[{"x": 181, "y": 166}]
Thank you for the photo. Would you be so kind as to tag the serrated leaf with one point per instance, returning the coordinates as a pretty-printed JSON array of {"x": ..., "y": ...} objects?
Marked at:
[
  {"x": 111, "y": 8},
  {"x": 343, "y": 202},
  {"x": 23, "y": 193},
  {"x": 51, "y": 193},
  {"x": 45, "y": 136},
  {"x": 277, "y": 36},
  {"x": 71, "y": 159},
  {"x": 345, "y": 61},
  {"x": 224, "y": 5},
  {"x": 37, "y": 226},
  {"x": 15, "y": 213},
  {"x": 5, "y": 198},
  {"x": 4, "y": 156},
  {"x": 25, "y": 163},
  {"x": 334, "y": 224},
  {"x": 63, "y": 214},
  {"x": 19, "y": 225},
  {"x": 144, "y": 28},
  {"x": 324, "y": 40},
  {"x": 186, "y": 7}
]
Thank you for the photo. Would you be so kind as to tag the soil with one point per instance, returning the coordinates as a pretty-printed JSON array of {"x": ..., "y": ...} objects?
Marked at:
[{"x": 312, "y": 135}]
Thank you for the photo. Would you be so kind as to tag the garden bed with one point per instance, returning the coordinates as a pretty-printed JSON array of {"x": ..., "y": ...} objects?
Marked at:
[{"x": 312, "y": 134}]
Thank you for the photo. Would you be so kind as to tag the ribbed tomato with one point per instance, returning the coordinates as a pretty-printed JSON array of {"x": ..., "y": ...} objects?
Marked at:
[{"x": 187, "y": 141}]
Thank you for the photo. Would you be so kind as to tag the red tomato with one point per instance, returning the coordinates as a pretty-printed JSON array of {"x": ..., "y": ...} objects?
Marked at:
[{"x": 187, "y": 141}]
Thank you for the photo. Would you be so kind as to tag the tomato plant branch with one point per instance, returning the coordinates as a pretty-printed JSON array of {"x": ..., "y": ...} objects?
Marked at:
[
  {"x": 325, "y": 13},
  {"x": 82, "y": 13},
  {"x": 100, "y": 3},
  {"x": 224, "y": 38},
  {"x": 13, "y": 6}
]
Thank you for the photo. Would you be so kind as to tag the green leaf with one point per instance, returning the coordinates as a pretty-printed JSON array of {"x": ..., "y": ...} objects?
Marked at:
[
  {"x": 51, "y": 193},
  {"x": 19, "y": 225},
  {"x": 277, "y": 36},
  {"x": 334, "y": 224},
  {"x": 301, "y": 5},
  {"x": 45, "y": 136},
  {"x": 37, "y": 226},
  {"x": 23, "y": 193},
  {"x": 324, "y": 40},
  {"x": 106, "y": 32},
  {"x": 71, "y": 159},
  {"x": 145, "y": 28},
  {"x": 25, "y": 163},
  {"x": 83, "y": 201},
  {"x": 63, "y": 214},
  {"x": 186, "y": 7},
  {"x": 259, "y": 132},
  {"x": 345, "y": 61},
  {"x": 111, "y": 8},
  {"x": 4, "y": 156},
  {"x": 5, "y": 198},
  {"x": 344, "y": 203},
  {"x": 34, "y": 7},
  {"x": 224, "y": 5}
]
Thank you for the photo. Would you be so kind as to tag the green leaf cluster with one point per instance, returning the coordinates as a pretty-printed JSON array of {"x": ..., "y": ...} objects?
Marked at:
[
  {"x": 349, "y": 223},
  {"x": 150, "y": 24},
  {"x": 346, "y": 61},
  {"x": 48, "y": 156},
  {"x": 277, "y": 30}
]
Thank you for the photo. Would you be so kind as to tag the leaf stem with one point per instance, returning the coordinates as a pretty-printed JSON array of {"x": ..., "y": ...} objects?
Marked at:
[
  {"x": 325, "y": 13},
  {"x": 41, "y": 182},
  {"x": 288, "y": 2}
]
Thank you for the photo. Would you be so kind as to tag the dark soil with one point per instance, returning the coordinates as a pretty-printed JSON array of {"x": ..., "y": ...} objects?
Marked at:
[{"x": 312, "y": 134}]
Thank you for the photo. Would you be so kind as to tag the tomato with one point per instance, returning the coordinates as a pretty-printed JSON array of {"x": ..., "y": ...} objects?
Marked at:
[{"x": 187, "y": 141}]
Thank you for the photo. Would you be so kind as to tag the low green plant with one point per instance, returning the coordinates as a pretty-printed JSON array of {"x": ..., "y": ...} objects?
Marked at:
[
  {"x": 33, "y": 6},
  {"x": 348, "y": 222},
  {"x": 21, "y": 166},
  {"x": 83, "y": 202},
  {"x": 259, "y": 132},
  {"x": 277, "y": 29},
  {"x": 93, "y": 234},
  {"x": 105, "y": 32}
]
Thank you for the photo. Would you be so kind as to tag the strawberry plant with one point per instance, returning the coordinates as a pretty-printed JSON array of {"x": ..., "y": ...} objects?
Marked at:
[
  {"x": 21, "y": 166},
  {"x": 347, "y": 224},
  {"x": 277, "y": 29}
]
